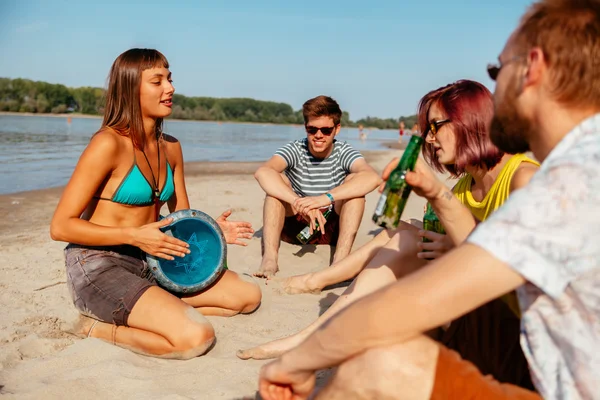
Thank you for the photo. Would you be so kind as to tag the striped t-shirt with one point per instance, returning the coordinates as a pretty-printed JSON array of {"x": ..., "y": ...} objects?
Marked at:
[{"x": 311, "y": 176}]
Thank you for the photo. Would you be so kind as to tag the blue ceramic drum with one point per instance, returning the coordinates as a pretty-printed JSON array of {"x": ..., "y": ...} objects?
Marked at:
[{"x": 206, "y": 261}]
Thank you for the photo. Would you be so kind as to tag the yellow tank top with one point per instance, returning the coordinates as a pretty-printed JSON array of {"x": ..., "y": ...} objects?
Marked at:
[
  {"x": 491, "y": 202},
  {"x": 498, "y": 192}
]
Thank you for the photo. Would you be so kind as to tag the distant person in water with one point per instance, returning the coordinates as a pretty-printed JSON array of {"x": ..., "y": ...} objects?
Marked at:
[
  {"x": 401, "y": 127},
  {"x": 109, "y": 215},
  {"x": 361, "y": 133},
  {"x": 415, "y": 130},
  {"x": 307, "y": 176}
]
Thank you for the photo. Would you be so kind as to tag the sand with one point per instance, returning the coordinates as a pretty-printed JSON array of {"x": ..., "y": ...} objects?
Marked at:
[{"x": 38, "y": 359}]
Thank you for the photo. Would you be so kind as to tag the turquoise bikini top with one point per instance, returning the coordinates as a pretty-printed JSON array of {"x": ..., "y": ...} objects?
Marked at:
[{"x": 136, "y": 190}]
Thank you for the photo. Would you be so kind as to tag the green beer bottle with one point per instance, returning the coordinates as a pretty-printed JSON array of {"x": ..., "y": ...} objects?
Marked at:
[
  {"x": 393, "y": 199},
  {"x": 305, "y": 236},
  {"x": 431, "y": 222}
]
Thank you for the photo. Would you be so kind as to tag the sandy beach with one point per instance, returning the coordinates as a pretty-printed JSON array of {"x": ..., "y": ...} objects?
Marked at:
[{"x": 38, "y": 359}]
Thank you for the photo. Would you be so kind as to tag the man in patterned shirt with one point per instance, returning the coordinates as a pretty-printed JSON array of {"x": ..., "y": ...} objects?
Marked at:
[
  {"x": 308, "y": 175},
  {"x": 544, "y": 242}
]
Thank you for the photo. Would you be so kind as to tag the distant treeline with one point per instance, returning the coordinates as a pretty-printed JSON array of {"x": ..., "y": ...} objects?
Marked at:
[{"x": 24, "y": 95}]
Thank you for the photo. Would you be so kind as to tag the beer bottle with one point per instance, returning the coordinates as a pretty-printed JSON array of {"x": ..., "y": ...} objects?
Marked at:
[
  {"x": 393, "y": 199},
  {"x": 431, "y": 222},
  {"x": 305, "y": 236}
]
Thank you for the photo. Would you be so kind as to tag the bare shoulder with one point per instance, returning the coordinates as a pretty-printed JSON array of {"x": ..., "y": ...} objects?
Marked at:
[
  {"x": 106, "y": 142},
  {"x": 173, "y": 147},
  {"x": 523, "y": 175}
]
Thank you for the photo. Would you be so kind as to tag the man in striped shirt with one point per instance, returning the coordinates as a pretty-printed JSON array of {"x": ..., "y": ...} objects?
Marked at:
[{"x": 307, "y": 176}]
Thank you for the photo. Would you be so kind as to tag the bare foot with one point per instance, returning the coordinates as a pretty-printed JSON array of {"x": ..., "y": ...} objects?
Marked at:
[
  {"x": 300, "y": 284},
  {"x": 268, "y": 268},
  {"x": 271, "y": 349},
  {"x": 82, "y": 327}
]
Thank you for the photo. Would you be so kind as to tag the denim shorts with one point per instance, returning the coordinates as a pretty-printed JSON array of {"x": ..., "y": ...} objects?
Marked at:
[{"x": 106, "y": 282}]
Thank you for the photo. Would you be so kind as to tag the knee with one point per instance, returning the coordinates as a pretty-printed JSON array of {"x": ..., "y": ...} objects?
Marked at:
[
  {"x": 249, "y": 298},
  {"x": 192, "y": 341}
]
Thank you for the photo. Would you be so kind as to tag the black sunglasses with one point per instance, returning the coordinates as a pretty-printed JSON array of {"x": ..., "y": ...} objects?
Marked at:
[
  {"x": 434, "y": 126},
  {"x": 494, "y": 69},
  {"x": 326, "y": 130}
]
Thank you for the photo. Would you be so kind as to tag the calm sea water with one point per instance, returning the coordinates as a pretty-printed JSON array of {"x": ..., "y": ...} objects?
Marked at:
[{"x": 41, "y": 152}]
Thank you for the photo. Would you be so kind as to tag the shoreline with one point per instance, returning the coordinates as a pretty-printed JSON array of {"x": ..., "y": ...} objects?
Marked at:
[{"x": 89, "y": 116}]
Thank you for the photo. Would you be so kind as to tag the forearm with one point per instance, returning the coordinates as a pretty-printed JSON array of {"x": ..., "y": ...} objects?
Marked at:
[
  {"x": 360, "y": 185},
  {"x": 273, "y": 185},
  {"x": 457, "y": 220},
  {"x": 79, "y": 231},
  {"x": 428, "y": 298}
]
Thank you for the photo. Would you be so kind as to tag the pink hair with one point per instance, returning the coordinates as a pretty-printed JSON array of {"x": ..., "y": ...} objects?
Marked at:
[{"x": 469, "y": 107}]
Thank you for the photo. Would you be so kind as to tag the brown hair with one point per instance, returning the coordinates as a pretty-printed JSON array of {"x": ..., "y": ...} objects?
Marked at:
[
  {"x": 469, "y": 107},
  {"x": 568, "y": 32},
  {"x": 122, "y": 112},
  {"x": 322, "y": 106}
]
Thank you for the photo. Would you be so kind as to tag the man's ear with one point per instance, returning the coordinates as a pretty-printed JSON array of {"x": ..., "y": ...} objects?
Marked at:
[
  {"x": 337, "y": 129},
  {"x": 536, "y": 66}
]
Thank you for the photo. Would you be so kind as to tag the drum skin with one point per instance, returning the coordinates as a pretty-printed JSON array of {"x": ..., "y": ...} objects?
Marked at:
[{"x": 207, "y": 260}]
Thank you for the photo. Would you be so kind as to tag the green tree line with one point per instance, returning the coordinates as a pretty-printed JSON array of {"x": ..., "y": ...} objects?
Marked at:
[{"x": 24, "y": 95}]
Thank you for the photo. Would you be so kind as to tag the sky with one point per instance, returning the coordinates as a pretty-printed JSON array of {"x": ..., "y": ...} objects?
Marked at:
[{"x": 376, "y": 58}]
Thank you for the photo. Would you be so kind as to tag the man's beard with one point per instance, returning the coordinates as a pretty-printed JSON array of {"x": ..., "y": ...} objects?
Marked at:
[{"x": 509, "y": 130}]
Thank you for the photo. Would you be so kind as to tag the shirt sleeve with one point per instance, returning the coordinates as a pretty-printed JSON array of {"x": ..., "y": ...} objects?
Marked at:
[
  {"x": 290, "y": 154},
  {"x": 548, "y": 230},
  {"x": 347, "y": 156}
]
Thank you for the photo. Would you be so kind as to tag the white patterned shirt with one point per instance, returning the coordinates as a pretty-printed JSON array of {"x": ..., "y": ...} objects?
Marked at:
[{"x": 549, "y": 232}]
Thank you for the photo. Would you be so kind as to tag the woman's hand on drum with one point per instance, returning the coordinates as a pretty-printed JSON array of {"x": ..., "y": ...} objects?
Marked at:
[
  {"x": 439, "y": 245},
  {"x": 235, "y": 230},
  {"x": 153, "y": 241}
]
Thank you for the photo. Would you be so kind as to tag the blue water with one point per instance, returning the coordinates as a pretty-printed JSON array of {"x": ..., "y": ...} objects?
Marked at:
[{"x": 41, "y": 152}]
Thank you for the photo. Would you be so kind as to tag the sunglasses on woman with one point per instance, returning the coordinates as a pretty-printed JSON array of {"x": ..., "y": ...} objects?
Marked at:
[
  {"x": 434, "y": 126},
  {"x": 326, "y": 130}
]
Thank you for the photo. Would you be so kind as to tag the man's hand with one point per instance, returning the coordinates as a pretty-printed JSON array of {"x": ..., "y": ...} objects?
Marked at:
[
  {"x": 313, "y": 217},
  {"x": 279, "y": 382},
  {"x": 305, "y": 204},
  {"x": 235, "y": 230}
]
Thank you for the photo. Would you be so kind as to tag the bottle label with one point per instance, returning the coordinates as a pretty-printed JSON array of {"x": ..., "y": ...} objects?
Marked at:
[{"x": 381, "y": 204}]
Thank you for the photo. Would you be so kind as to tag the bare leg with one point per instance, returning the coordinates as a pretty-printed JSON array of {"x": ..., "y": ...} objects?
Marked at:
[
  {"x": 160, "y": 325},
  {"x": 351, "y": 212},
  {"x": 345, "y": 269},
  {"x": 231, "y": 294},
  {"x": 273, "y": 218},
  {"x": 274, "y": 213},
  {"x": 405, "y": 371},
  {"x": 390, "y": 263}
]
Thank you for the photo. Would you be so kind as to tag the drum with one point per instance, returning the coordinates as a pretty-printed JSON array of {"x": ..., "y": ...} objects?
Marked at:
[{"x": 206, "y": 261}]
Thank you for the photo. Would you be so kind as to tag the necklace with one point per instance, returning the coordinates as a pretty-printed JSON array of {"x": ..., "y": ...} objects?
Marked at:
[{"x": 156, "y": 194}]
